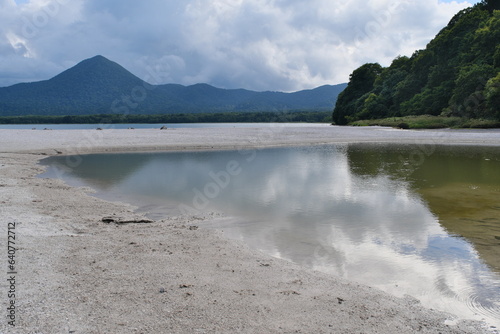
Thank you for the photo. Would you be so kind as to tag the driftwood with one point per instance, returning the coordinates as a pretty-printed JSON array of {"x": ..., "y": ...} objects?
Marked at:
[{"x": 127, "y": 220}]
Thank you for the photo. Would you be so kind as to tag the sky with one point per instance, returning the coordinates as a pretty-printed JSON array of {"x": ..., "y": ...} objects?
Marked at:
[{"x": 277, "y": 45}]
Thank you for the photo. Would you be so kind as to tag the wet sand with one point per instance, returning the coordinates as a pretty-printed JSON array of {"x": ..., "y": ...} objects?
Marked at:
[{"x": 77, "y": 274}]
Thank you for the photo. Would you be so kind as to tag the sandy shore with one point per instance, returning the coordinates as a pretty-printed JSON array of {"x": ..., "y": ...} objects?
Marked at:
[{"x": 76, "y": 274}]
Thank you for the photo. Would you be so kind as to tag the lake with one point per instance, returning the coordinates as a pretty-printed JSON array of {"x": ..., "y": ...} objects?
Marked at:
[
  {"x": 148, "y": 126},
  {"x": 418, "y": 220}
]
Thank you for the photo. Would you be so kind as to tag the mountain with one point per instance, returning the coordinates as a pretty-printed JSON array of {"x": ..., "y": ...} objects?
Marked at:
[
  {"x": 458, "y": 74},
  {"x": 100, "y": 86},
  {"x": 91, "y": 85}
]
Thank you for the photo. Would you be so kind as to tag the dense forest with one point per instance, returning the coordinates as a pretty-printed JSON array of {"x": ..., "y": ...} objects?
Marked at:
[
  {"x": 227, "y": 117},
  {"x": 456, "y": 75}
]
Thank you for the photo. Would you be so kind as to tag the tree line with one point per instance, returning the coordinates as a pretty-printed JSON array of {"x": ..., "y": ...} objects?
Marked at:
[{"x": 226, "y": 117}]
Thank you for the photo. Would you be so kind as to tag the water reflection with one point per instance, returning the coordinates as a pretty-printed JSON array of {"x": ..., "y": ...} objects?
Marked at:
[
  {"x": 379, "y": 215},
  {"x": 460, "y": 185}
]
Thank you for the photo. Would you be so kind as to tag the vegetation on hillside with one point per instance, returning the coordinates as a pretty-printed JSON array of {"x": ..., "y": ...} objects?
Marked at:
[
  {"x": 100, "y": 86},
  {"x": 457, "y": 75}
]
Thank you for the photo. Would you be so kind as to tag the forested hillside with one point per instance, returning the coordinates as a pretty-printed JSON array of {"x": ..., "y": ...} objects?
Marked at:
[
  {"x": 458, "y": 74},
  {"x": 100, "y": 86}
]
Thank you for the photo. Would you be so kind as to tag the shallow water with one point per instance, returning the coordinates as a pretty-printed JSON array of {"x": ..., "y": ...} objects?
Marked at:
[{"x": 416, "y": 220}]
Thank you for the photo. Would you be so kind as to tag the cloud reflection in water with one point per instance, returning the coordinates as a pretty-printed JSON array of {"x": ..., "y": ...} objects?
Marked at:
[{"x": 344, "y": 210}]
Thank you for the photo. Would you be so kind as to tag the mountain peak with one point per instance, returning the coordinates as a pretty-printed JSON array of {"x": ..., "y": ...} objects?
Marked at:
[
  {"x": 98, "y": 57},
  {"x": 96, "y": 60},
  {"x": 99, "y": 72}
]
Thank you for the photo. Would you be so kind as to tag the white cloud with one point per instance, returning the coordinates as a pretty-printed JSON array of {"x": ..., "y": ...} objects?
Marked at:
[{"x": 255, "y": 44}]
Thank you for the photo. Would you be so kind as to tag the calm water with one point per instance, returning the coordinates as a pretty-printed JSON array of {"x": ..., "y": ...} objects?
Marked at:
[
  {"x": 146, "y": 126},
  {"x": 416, "y": 220}
]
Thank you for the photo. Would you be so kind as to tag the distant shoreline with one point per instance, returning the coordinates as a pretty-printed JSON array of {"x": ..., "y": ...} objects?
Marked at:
[
  {"x": 289, "y": 116},
  {"x": 292, "y": 116}
]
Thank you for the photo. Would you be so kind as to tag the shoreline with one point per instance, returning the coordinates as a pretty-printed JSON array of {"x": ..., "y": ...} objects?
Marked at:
[
  {"x": 74, "y": 142},
  {"x": 79, "y": 274}
]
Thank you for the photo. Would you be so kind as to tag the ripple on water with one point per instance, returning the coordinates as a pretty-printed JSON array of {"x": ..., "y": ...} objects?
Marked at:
[{"x": 487, "y": 307}]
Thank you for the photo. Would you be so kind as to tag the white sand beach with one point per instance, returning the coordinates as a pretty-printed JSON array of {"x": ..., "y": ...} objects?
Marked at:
[{"x": 77, "y": 274}]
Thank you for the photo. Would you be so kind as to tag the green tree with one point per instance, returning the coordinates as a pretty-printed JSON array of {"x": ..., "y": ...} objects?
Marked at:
[
  {"x": 467, "y": 99},
  {"x": 373, "y": 107},
  {"x": 361, "y": 82},
  {"x": 491, "y": 4},
  {"x": 492, "y": 95}
]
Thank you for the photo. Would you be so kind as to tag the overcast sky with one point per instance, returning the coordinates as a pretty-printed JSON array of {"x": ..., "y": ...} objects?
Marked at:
[{"x": 281, "y": 45}]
